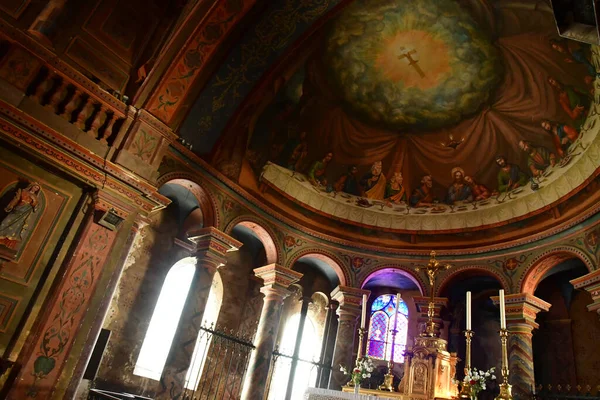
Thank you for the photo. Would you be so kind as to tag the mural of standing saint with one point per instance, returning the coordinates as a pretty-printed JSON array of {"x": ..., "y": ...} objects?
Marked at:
[{"x": 19, "y": 210}]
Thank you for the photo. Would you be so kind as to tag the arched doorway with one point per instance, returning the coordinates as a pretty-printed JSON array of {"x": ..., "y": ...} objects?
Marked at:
[{"x": 568, "y": 322}]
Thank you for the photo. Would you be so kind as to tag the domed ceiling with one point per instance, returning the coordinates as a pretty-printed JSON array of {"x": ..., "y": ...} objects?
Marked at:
[{"x": 418, "y": 116}]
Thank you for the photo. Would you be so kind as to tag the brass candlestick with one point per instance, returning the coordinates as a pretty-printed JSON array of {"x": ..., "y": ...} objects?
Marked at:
[
  {"x": 359, "y": 354},
  {"x": 505, "y": 387},
  {"x": 388, "y": 381},
  {"x": 432, "y": 269},
  {"x": 465, "y": 390}
]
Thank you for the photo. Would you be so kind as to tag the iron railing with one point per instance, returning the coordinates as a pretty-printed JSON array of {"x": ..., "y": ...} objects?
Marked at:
[
  {"x": 567, "y": 392},
  {"x": 224, "y": 358},
  {"x": 308, "y": 373}
]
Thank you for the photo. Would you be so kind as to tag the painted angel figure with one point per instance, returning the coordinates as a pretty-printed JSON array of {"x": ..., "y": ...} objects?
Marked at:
[{"x": 19, "y": 209}]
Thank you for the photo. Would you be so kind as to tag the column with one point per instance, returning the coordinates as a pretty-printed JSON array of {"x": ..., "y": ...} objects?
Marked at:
[
  {"x": 46, "y": 352},
  {"x": 349, "y": 299},
  {"x": 591, "y": 283},
  {"x": 328, "y": 345},
  {"x": 139, "y": 223},
  {"x": 521, "y": 310},
  {"x": 276, "y": 279},
  {"x": 46, "y": 23},
  {"x": 422, "y": 305},
  {"x": 209, "y": 246}
]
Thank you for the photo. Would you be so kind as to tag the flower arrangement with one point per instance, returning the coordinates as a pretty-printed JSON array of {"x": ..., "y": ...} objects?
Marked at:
[
  {"x": 363, "y": 369},
  {"x": 477, "y": 380}
]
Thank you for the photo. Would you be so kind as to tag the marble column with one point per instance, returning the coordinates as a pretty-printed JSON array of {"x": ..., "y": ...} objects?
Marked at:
[
  {"x": 422, "y": 305},
  {"x": 46, "y": 351},
  {"x": 276, "y": 279},
  {"x": 591, "y": 283},
  {"x": 209, "y": 246},
  {"x": 45, "y": 25},
  {"x": 349, "y": 311},
  {"x": 521, "y": 310}
]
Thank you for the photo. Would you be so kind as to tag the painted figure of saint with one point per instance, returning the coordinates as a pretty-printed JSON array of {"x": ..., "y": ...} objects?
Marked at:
[
  {"x": 563, "y": 135},
  {"x": 374, "y": 182},
  {"x": 575, "y": 102},
  {"x": 479, "y": 191},
  {"x": 394, "y": 191},
  {"x": 316, "y": 173},
  {"x": 19, "y": 209},
  {"x": 459, "y": 190},
  {"x": 423, "y": 195},
  {"x": 510, "y": 176},
  {"x": 574, "y": 55},
  {"x": 539, "y": 158},
  {"x": 294, "y": 152},
  {"x": 348, "y": 183}
]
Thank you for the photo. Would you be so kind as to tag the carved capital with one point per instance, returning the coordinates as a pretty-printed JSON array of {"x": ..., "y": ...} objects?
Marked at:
[
  {"x": 521, "y": 311},
  {"x": 275, "y": 276},
  {"x": 348, "y": 296},
  {"x": 591, "y": 283}
]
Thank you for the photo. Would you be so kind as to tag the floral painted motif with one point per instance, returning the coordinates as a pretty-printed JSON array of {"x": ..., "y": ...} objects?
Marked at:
[
  {"x": 174, "y": 88},
  {"x": 144, "y": 145},
  {"x": 65, "y": 317}
]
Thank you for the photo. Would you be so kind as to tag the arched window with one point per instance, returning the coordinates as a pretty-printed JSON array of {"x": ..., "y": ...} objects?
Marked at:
[
  {"x": 211, "y": 314},
  {"x": 161, "y": 331},
  {"x": 382, "y": 322}
]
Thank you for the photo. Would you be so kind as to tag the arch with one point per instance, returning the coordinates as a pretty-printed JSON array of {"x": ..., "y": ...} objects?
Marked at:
[
  {"x": 264, "y": 234},
  {"x": 483, "y": 270},
  {"x": 206, "y": 201},
  {"x": 392, "y": 268},
  {"x": 543, "y": 263},
  {"x": 328, "y": 258}
]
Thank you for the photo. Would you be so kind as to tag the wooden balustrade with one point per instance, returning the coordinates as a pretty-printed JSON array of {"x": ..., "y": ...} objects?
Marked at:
[{"x": 76, "y": 105}]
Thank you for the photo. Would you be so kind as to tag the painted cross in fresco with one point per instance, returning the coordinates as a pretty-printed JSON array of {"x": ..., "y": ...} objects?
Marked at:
[{"x": 411, "y": 61}]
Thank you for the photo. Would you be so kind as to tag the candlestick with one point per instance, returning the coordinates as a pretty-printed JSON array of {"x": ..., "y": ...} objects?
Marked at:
[
  {"x": 502, "y": 311},
  {"x": 468, "y": 311},
  {"x": 465, "y": 390},
  {"x": 363, "y": 317},
  {"x": 505, "y": 388}
]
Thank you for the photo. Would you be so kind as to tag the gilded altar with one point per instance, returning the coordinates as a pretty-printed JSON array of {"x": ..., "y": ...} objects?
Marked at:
[{"x": 428, "y": 370}]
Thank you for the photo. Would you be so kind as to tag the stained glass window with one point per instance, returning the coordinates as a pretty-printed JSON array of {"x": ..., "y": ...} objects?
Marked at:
[{"x": 382, "y": 321}]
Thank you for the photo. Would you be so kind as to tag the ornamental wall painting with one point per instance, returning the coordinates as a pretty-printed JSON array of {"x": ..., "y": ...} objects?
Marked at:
[{"x": 394, "y": 117}]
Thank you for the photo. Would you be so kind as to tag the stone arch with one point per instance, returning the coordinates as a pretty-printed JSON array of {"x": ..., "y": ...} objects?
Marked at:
[
  {"x": 206, "y": 201},
  {"x": 483, "y": 270},
  {"x": 405, "y": 271},
  {"x": 329, "y": 258},
  {"x": 543, "y": 263},
  {"x": 264, "y": 233}
]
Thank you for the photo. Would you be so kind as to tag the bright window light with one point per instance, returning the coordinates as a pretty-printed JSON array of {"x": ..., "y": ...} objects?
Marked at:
[{"x": 161, "y": 331}]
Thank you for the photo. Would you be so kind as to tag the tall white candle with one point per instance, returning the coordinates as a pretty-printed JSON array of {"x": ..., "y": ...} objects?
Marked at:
[
  {"x": 398, "y": 299},
  {"x": 502, "y": 311},
  {"x": 468, "y": 311},
  {"x": 363, "y": 317}
]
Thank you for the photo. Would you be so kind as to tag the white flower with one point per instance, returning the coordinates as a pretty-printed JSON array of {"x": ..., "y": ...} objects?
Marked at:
[
  {"x": 364, "y": 376},
  {"x": 493, "y": 376}
]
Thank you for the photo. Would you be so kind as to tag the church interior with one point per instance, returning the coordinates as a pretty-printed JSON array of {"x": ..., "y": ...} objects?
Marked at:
[{"x": 299, "y": 199}]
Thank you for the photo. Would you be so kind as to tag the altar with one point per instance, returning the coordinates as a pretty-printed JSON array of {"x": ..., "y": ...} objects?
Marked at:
[{"x": 366, "y": 394}]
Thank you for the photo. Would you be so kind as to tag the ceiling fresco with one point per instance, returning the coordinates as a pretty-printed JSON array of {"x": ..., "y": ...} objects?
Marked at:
[{"x": 429, "y": 115}]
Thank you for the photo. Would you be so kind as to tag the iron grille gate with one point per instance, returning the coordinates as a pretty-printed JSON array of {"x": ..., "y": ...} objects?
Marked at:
[{"x": 224, "y": 358}]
